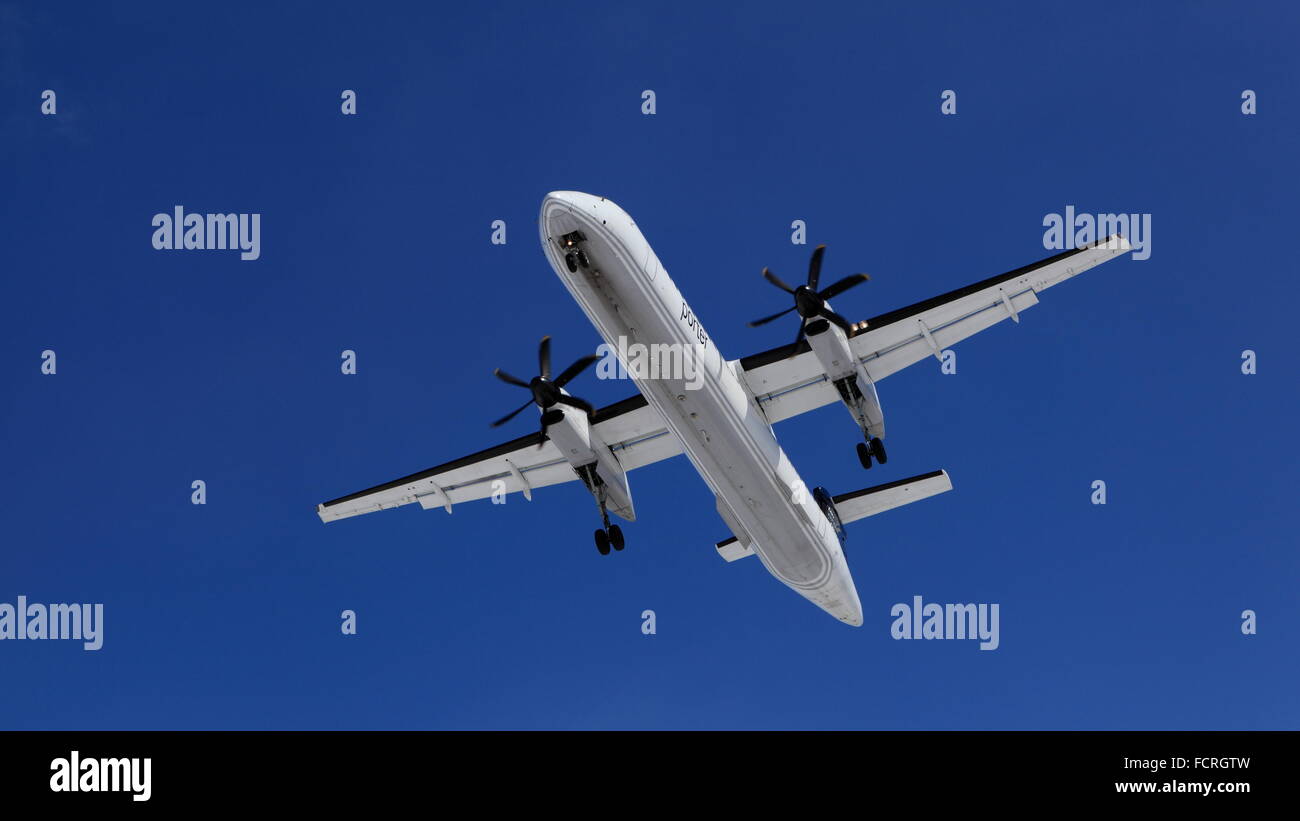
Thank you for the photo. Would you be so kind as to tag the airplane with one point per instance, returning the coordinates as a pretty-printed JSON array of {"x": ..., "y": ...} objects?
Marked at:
[{"x": 722, "y": 421}]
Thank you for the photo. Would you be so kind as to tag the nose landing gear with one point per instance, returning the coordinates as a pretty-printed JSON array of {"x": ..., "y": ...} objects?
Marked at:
[
  {"x": 574, "y": 256},
  {"x": 575, "y": 260}
]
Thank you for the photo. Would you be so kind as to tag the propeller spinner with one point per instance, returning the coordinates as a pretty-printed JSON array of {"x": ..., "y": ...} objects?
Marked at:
[{"x": 809, "y": 301}]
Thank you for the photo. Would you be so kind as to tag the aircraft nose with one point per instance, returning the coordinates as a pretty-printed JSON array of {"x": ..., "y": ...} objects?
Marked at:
[{"x": 573, "y": 199}]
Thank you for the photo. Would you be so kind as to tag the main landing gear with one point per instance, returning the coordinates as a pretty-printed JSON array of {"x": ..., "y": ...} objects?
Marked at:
[
  {"x": 612, "y": 537},
  {"x": 876, "y": 448},
  {"x": 609, "y": 535}
]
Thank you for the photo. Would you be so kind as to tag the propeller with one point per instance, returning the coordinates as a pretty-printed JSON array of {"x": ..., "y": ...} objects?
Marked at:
[
  {"x": 809, "y": 301},
  {"x": 546, "y": 391}
]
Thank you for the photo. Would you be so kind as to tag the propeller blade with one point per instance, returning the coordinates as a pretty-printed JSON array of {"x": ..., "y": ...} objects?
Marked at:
[
  {"x": 541, "y": 440},
  {"x": 837, "y": 319},
  {"x": 510, "y": 380},
  {"x": 843, "y": 285},
  {"x": 798, "y": 338},
  {"x": 575, "y": 402},
  {"x": 544, "y": 357},
  {"x": 768, "y": 319},
  {"x": 815, "y": 266},
  {"x": 777, "y": 281},
  {"x": 511, "y": 415},
  {"x": 575, "y": 369}
]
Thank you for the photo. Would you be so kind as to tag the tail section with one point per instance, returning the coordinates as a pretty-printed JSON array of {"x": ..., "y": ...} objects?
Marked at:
[
  {"x": 868, "y": 502},
  {"x": 860, "y": 504}
]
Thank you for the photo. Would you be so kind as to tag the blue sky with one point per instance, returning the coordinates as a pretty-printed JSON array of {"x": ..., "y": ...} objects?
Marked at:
[{"x": 175, "y": 366}]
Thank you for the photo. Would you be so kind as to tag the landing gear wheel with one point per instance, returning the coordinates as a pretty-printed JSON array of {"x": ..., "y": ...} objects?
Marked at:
[
  {"x": 878, "y": 451},
  {"x": 602, "y": 542},
  {"x": 583, "y": 262},
  {"x": 616, "y": 537},
  {"x": 864, "y": 455},
  {"x": 570, "y": 260}
]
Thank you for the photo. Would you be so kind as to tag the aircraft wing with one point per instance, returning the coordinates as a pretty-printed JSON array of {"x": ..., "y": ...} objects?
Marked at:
[
  {"x": 789, "y": 380},
  {"x": 786, "y": 381},
  {"x": 631, "y": 428}
]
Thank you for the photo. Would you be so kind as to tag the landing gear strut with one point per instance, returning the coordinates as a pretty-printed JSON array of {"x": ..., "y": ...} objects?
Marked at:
[
  {"x": 609, "y": 535},
  {"x": 876, "y": 448}
]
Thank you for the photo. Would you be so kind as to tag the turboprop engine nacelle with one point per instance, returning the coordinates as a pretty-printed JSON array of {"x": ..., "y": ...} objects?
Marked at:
[{"x": 858, "y": 393}]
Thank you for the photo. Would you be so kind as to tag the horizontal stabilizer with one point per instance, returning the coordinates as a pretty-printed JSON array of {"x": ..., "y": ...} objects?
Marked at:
[
  {"x": 863, "y": 503},
  {"x": 868, "y": 502},
  {"x": 732, "y": 549}
]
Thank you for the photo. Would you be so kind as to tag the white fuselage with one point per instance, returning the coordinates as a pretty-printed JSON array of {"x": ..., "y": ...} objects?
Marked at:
[{"x": 626, "y": 293}]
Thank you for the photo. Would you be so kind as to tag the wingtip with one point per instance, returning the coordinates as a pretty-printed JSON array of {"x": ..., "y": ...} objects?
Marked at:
[{"x": 1114, "y": 242}]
